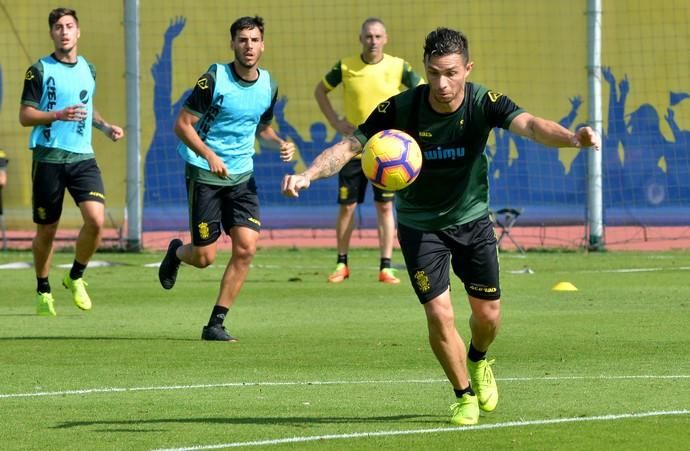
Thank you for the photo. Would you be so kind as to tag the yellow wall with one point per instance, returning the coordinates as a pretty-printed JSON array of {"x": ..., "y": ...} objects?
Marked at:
[{"x": 532, "y": 50}]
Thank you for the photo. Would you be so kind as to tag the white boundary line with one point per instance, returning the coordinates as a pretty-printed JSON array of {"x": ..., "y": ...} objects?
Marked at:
[
  {"x": 91, "y": 391},
  {"x": 97, "y": 264},
  {"x": 281, "y": 441}
]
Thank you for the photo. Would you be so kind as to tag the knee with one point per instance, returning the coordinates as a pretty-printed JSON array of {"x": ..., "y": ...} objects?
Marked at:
[
  {"x": 94, "y": 223},
  {"x": 46, "y": 232},
  {"x": 384, "y": 208},
  {"x": 440, "y": 318},
  {"x": 202, "y": 257},
  {"x": 348, "y": 209},
  {"x": 489, "y": 314},
  {"x": 244, "y": 252},
  {"x": 204, "y": 260}
]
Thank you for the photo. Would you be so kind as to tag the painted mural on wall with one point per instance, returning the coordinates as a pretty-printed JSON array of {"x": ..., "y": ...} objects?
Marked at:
[{"x": 641, "y": 167}]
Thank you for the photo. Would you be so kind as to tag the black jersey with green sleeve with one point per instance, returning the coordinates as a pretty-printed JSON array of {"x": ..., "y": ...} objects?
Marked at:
[{"x": 453, "y": 186}]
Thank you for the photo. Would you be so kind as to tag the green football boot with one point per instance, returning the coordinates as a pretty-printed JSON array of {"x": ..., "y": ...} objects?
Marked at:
[
  {"x": 465, "y": 411},
  {"x": 78, "y": 288},
  {"x": 44, "y": 304},
  {"x": 483, "y": 383}
]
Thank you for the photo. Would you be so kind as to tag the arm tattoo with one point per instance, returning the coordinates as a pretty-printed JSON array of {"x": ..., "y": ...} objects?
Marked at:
[
  {"x": 331, "y": 161},
  {"x": 98, "y": 125}
]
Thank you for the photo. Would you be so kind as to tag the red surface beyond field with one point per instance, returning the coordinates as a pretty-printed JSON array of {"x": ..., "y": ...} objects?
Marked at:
[{"x": 566, "y": 237}]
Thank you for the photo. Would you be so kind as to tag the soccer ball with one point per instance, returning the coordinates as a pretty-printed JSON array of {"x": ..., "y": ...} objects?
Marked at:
[{"x": 391, "y": 159}]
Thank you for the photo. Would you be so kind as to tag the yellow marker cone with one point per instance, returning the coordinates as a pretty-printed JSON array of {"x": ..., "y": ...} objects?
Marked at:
[{"x": 564, "y": 286}]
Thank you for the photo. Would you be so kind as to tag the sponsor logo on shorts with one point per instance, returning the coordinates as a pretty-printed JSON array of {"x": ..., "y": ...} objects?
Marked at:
[
  {"x": 41, "y": 213},
  {"x": 204, "y": 231},
  {"x": 254, "y": 220},
  {"x": 422, "y": 281},
  {"x": 482, "y": 288},
  {"x": 97, "y": 194}
]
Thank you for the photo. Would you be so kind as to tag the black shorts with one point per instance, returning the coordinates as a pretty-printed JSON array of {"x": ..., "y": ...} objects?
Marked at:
[
  {"x": 82, "y": 179},
  {"x": 211, "y": 206},
  {"x": 352, "y": 185},
  {"x": 473, "y": 253}
]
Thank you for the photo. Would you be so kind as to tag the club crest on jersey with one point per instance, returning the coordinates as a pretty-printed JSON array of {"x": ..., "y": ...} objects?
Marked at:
[{"x": 494, "y": 96}]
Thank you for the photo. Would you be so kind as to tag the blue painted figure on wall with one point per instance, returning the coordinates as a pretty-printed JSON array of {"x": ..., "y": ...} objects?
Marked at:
[{"x": 164, "y": 171}]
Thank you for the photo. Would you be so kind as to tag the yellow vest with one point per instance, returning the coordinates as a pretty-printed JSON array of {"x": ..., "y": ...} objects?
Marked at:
[{"x": 367, "y": 85}]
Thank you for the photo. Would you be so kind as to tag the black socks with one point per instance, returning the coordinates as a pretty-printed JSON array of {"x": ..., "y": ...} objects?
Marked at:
[
  {"x": 462, "y": 391},
  {"x": 474, "y": 355},
  {"x": 42, "y": 285},
  {"x": 218, "y": 315},
  {"x": 77, "y": 271}
]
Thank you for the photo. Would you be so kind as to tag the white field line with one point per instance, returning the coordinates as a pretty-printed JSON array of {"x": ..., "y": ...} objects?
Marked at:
[
  {"x": 97, "y": 264},
  {"x": 480, "y": 427},
  {"x": 92, "y": 391}
]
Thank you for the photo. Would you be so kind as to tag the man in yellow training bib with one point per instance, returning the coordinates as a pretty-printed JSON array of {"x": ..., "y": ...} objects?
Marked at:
[{"x": 367, "y": 79}]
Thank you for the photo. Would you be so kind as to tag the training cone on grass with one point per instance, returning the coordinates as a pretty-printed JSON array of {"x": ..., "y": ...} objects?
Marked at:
[{"x": 564, "y": 286}]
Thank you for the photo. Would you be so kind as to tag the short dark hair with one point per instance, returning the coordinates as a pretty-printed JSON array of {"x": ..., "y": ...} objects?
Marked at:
[
  {"x": 444, "y": 41},
  {"x": 247, "y": 23},
  {"x": 57, "y": 13}
]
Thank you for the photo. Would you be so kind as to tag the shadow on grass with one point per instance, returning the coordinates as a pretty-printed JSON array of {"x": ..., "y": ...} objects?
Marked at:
[{"x": 277, "y": 421}]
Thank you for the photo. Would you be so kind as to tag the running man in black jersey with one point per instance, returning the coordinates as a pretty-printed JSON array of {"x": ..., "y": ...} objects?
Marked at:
[{"x": 443, "y": 217}]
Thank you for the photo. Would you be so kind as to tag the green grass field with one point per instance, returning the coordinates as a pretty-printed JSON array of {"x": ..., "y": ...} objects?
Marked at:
[{"x": 345, "y": 366}]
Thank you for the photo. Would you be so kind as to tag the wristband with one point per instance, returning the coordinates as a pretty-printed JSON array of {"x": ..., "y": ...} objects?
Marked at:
[{"x": 57, "y": 115}]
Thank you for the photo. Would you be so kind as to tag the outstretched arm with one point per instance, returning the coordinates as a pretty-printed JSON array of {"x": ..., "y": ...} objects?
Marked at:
[
  {"x": 552, "y": 134},
  {"x": 326, "y": 164}
]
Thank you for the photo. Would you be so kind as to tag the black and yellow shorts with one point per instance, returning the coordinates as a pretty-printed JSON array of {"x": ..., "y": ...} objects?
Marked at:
[
  {"x": 352, "y": 185},
  {"x": 82, "y": 179},
  {"x": 213, "y": 206},
  {"x": 470, "y": 248}
]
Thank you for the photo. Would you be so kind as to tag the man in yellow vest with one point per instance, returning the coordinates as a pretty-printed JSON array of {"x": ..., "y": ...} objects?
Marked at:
[{"x": 368, "y": 79}]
